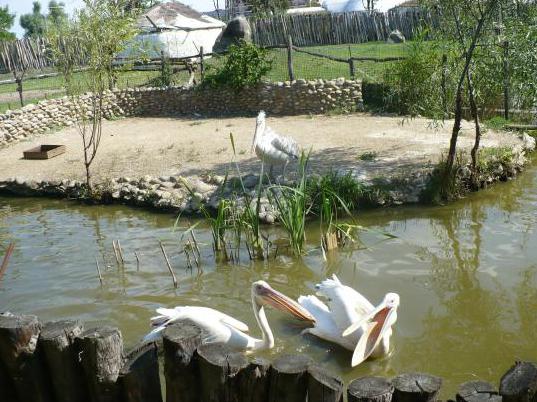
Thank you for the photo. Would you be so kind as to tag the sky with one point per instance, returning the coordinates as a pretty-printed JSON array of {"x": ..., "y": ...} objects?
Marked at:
[{"x": 25, "y": 7}]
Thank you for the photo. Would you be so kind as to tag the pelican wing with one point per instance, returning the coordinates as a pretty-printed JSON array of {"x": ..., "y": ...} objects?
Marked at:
[
  {"x": 285, "y": 145},
  {"x": 347, "y": 305},
  {"x": 325, "y": 327}
]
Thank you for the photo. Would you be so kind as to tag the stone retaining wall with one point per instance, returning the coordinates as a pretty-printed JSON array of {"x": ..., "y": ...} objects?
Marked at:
[{"x": 280, "y": 98}]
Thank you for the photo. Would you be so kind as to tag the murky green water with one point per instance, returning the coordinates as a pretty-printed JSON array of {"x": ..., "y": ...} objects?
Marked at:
[{"x": 466, "y": 273}]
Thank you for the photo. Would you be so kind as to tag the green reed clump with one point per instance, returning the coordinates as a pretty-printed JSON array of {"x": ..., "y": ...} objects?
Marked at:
[
  {"x": 346, "y": 187},
  {"x": 292, "y": 206}
]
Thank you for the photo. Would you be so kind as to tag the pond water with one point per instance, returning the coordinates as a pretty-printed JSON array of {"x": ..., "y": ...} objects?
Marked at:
[{"x": 466, "y": 273}]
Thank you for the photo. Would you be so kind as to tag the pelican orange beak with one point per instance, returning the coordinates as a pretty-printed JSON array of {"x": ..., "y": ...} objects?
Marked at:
[
  {"x": 281, "y": 302},
  {"x": 375, "y": 326}
]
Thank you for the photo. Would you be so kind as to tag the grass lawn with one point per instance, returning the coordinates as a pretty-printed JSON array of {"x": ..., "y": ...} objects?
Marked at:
[{"x": 305, "y": 66}]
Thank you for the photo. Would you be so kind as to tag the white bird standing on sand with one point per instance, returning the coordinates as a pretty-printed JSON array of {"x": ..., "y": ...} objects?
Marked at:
[
  {"x": 272, "y": 148},
  {"x": 351, "y": 320},
  {"x": 218, "y": 327}
]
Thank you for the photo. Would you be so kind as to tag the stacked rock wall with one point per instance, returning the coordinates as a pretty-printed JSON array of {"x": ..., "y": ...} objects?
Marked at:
[{"x": 279, "y": 98}]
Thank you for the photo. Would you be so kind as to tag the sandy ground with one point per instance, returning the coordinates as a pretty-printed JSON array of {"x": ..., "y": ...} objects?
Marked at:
[{"x": 136, "y": 147}]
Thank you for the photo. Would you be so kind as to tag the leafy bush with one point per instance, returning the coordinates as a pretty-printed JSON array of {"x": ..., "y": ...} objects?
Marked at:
[
  {"x": 244, "y": 66},
  {"x": 414, "y": 84}
]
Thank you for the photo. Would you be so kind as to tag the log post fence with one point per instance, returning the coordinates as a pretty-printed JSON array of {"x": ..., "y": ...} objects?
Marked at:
[{"x": 60, "y": 361}]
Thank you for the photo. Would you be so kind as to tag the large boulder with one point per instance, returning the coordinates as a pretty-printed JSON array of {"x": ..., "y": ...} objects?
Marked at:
[
  {"x": 396, "y": 37},
  {"x": 237, "y": 29}
]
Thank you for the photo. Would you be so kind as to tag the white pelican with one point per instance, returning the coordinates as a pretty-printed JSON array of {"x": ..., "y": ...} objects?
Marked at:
[
  {"x": 218, "y": 327},
  {"x": 351, "y": 320},
  {"x": 271, "y": 148}
]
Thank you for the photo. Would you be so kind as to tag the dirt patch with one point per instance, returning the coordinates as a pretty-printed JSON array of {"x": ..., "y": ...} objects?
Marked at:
[{"x": 370, "y": 146}]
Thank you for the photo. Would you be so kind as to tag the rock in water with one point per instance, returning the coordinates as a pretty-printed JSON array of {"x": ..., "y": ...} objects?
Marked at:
[
  {"x": 396, "y": 37},
  {"x": 237, "y": 29}
]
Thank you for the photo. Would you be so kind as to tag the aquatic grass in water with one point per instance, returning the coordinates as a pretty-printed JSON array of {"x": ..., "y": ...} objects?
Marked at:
[{"x": 292, "y": 206}]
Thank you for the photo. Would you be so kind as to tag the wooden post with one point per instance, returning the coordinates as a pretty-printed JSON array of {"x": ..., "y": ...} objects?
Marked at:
[
  {"x": 18, "y": 354},
  {"x": 255, "y": 381},
  {"x": 352, "y": 69},
  {"x": 477, "y": 391},
  {"x": 7, "y": 390},
  {"x": 180, "y": 342},
  {"x": 506, "y": 79},
  {"x": 57, "y": 341},
  {"x": 416, "y": 387},
  {"x": 100, "y": 354},
  {"x": 370, "y": 389},
  {"x": 519, "y": 384},
  {"x": 202, "y": 64},
  {"x": 219, "y": 371},
  {"x": 290, "y": 58},
  {"x": 18, "y": 80},
  {"x": 323, "y": 387},
  {"x": 139, "y": 376},
  {"x": 288, "y": 380}
]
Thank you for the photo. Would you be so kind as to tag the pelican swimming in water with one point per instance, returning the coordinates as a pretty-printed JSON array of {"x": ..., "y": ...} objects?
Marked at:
[
  {"x": 272, "y": 148},
  {"x": 350, "y": 320},
  {"x": 218, "y": 327}
]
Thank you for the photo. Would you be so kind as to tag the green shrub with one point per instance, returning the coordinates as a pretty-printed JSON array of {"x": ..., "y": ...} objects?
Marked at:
[
  {"x": 245, "y": 65},
  {"x": 414, "y": 84}
]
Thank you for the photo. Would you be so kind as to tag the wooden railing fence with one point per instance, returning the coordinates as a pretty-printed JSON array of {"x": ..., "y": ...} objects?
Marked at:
[
  {"x": 340, "y": 28},
  {"x": 62, "y": 362}
]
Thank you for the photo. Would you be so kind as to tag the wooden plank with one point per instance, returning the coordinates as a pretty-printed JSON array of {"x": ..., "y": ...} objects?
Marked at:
[
  {"x": 44, "y": 152},
  {"x": 5, "y": 260}
]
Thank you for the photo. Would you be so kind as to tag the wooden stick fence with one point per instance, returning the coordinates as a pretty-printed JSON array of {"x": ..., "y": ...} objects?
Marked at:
[
  {"x": 62, "y": 362},
  {"x": 338, "y": 28}
]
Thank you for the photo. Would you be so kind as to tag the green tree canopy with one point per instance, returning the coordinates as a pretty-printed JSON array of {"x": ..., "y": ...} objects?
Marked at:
[
  {"x": 6, "y": 22},
  {"x": 267, "y": 6},
  {"x": 35, "y": 23}
]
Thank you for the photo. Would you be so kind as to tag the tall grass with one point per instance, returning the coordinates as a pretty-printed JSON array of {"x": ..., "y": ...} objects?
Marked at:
[{"x": 292, "y": 206}]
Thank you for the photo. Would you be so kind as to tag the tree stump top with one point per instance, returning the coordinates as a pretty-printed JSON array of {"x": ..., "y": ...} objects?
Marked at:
[
  {"x": 59, "y": 329},
  {"x": 291, "y": 364},
  {"x": 417, "y": 383},
  {"x": 370, "y": 387},
  {"x": 17, "y": 321},
  {"x": 99, "y": 332},
  {"x": 323, "y": 377},
  {"x": 522, "y": 377},
  {"x": 221, "y": 355}
]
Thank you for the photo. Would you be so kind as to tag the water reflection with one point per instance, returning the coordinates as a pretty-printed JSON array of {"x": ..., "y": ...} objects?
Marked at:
[{"x": 466, "y": 274}]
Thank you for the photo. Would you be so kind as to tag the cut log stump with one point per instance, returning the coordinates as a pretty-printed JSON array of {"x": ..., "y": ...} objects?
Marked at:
[
  {"x": 255, "y": 381},
  {"x": 416, "y": 387},
  {"x": 139, "y": 376},
  {"x": 323, "y": 387},
  {"x": 100, "y": 351},
  {"x": 180, "y": 342},
  {"x": 57, "y": 341},
  {"x": 477, "y": 391},
  {"x": 519, "y": 384},
  {"x": 370, "y": 389},
  {"x": 219, "y": 370},
  {"x": 289, "y": 379},
  {"x": 20, "y": 357}
]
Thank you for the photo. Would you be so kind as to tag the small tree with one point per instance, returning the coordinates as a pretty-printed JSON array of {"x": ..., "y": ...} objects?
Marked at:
[
  {"x": 245, "y": 65},
  {"x": 98, "y": 32},
  {"x": 6, "y": 22}
]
